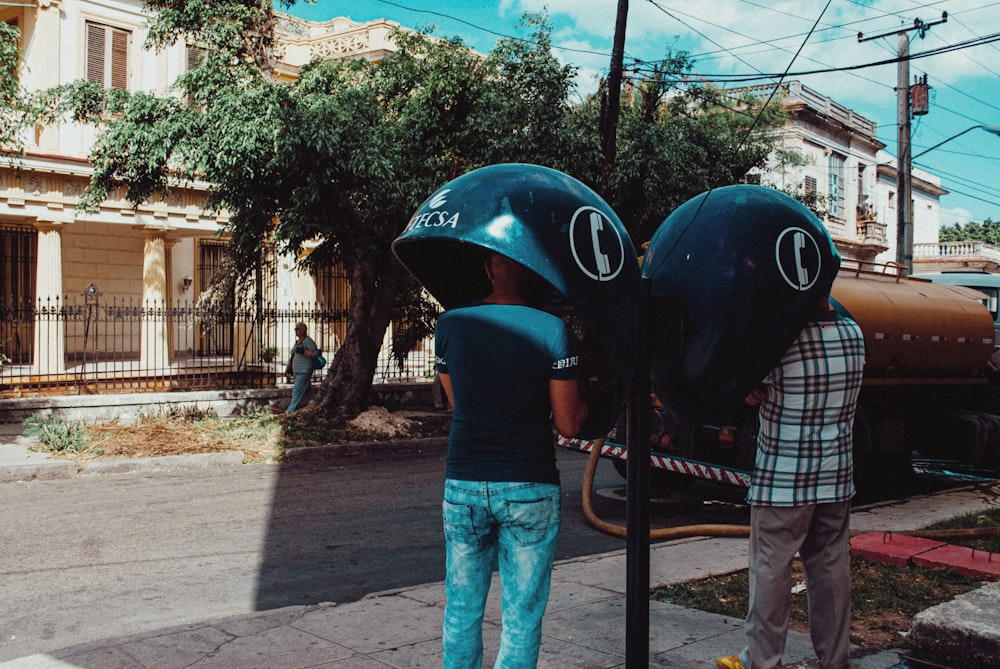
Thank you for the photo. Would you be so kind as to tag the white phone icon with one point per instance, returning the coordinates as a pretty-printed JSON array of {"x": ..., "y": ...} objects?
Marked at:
[
  {"x": 603, "y": 263},
  {"x": 799, "y": 240}
]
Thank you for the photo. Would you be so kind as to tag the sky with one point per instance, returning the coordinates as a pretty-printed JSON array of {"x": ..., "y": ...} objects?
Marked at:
[{"x": 828, "y": 45}]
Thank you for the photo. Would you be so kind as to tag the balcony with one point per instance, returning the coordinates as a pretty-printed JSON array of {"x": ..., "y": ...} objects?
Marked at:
[
  {"x": 954, "y": 256},
  {"x": 870, "y": 232}
]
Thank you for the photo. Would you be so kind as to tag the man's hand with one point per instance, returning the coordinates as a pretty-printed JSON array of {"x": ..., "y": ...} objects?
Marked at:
[{"x": 756, "y": 396}]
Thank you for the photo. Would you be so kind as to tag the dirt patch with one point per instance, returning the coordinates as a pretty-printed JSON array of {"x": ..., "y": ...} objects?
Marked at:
[
  {"x": 884, "y": 598},
  {"x": 382, "y": 422},
  {"x": 872, "y": 628}
]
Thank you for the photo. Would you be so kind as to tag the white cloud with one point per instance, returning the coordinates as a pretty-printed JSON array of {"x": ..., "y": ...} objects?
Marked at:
[{"x": 950, "y": 217}]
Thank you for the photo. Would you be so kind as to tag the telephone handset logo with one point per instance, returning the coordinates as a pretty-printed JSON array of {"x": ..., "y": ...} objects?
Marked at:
[
  {"x": 800, "y": 245},
  {"x": 596, "y": 244},
  {"x": 798, "y": 258},
  {"x": 601, "y": 258}
]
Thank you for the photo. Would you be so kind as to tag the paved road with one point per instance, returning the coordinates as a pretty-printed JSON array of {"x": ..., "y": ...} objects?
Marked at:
[{"x": 94, "y": 557}]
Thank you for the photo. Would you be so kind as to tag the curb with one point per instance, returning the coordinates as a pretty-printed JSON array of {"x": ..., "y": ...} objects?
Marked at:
[
  {"x": 43, "y": 471},
  {"x": 68, "y": 469},
  {"x": 163, "y": 463},
  {"x": 328, "y": 451}
]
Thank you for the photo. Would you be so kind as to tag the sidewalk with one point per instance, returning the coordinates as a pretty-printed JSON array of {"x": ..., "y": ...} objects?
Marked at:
[{"x": 584, "y": 624}]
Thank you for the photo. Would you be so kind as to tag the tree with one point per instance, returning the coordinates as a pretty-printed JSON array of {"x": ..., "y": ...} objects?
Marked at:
[
  {"x": 346, "y": 153},
  {"x": 675, "y": 141},
  {"x": 988, "y": 231},
  {"x": 342, "y": 156}
]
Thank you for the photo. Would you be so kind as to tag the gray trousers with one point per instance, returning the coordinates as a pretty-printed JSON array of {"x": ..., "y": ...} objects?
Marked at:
[{"x": 820, "y": 533}]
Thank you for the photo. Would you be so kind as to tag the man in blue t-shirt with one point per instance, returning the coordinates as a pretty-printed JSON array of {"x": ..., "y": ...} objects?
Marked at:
[{"x": 510, "y": 371}]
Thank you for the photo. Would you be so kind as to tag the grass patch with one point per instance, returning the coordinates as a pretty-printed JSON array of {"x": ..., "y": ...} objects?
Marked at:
[
  {"x": 184, "y": 431},
  {"x": 884, "y": 598},
  {"x": 262, "y": 437},
  {"x": 975, "y": 519}
]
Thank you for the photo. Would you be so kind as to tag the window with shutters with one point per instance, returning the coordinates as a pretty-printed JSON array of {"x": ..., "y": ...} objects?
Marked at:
[
  {"x": 809, "y": 185},
  {"x": 195, "y": 56},
  {"x": 107, "y": 55}
]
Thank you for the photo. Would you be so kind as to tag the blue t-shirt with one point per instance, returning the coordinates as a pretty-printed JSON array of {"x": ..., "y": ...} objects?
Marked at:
[{"x": 500, "y": 358}]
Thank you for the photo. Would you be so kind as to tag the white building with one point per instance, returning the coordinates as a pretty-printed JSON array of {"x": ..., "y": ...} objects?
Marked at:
[
  {"x": 159, "y": 253},
  {"x": 843, "y": 162}
]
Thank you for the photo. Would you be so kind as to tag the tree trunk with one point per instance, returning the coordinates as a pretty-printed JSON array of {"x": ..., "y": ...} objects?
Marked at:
[{"x": 346, "y": 390}]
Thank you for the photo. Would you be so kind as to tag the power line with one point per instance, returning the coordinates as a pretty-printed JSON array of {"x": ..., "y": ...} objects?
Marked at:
[
  {"x": 744, "y": 78},
  {"x": 482, "y": 28}
]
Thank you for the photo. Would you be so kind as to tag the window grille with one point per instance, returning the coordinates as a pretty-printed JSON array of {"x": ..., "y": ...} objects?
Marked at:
[
  {"x": 18, "y": 263},
  {"x": 216, "y": 339}
]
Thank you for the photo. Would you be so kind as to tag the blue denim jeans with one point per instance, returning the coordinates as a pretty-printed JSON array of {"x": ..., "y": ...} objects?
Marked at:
[{"x": 517, "y": 524}]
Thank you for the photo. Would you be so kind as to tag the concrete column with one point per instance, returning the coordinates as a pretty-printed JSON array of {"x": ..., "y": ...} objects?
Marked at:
[
  {"x": 45, "y": 62},
  {"x": 154, "y": 346},
  {"x": 50, "y": 329}
]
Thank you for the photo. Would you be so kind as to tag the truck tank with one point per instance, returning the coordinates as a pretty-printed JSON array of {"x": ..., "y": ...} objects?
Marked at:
[{"x": 915, "y": 330}]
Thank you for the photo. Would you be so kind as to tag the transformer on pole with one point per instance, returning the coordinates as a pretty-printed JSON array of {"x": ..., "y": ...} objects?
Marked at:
[{"x": 904, "y": 220}]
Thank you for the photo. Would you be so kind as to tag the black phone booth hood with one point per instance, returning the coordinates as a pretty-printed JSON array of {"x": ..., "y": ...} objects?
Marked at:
[
  {"x": 554, "y": 225},
  {"x": 736, "y": 273}
]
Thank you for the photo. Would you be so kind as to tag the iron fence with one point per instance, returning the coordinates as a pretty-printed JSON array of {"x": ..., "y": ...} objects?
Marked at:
[{"x": 86, "y": 346}]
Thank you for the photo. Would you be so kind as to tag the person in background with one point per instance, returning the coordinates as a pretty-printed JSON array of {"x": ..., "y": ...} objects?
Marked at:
[
  {"x": 800, "y": 493},
  {"x": 506, "y": 367},
  {"x": 300, "y": 365}
]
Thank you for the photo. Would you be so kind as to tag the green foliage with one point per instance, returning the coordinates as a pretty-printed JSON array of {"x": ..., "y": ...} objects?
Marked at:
[
  {"x": 816, "y": 202},
  {"x": 675, "y": 141},
  {"x": 988, "y": 231},
  {"x": 183, "y": 412},
  {"x": 12, "y": 101},
  {"x": 343, "y": 155},
  {"x": 56, "y": 435}
]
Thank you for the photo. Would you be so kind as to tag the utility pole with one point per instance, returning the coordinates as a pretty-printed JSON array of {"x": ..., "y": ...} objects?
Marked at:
[
  {"x": 904, "y": 196},
  {"x": 610, "y": 120}
]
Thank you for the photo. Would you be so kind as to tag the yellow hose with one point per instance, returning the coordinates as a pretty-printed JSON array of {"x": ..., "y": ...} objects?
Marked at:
[{"x": 708, "y": 530}]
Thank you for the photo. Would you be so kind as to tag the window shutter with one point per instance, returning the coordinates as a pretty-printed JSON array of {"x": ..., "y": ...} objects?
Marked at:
[
  {"x": 195, "y": 54},
  {"x": 810, "y": 185},
  {"x": 107, "y": 55},
  {"x": 119, "y": 58},
  {"x": 95, "y": 53}
]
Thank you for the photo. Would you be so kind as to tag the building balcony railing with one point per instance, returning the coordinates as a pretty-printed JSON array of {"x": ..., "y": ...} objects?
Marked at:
[
  {"x": 957, "y": 250},
  {"x": 872, "y": 233}
]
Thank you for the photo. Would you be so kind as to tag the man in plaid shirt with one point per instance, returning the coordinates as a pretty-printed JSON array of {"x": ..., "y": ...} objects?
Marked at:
[{"x": 801, "y": 490}]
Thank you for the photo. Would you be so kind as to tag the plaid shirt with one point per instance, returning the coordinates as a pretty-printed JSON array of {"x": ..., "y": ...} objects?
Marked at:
[{"x": 804, "y": 448}]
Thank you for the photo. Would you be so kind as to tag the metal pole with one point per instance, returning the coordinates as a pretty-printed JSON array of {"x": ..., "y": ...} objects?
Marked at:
[
  {"x": 904, "y": 227},
  {"x": 637, "y": 499}
]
